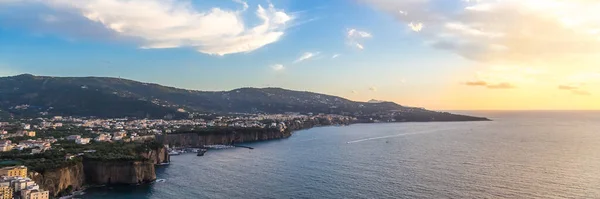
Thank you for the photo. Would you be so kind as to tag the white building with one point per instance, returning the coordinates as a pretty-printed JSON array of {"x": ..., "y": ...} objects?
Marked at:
[{"x": 83, "y": 141}]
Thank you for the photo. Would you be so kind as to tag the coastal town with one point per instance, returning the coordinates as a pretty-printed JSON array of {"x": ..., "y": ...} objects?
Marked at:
[
  {"x": 36, "y": 145},
  {"x": 14, "y": 183},
  {"x": 39, "y": 134}
]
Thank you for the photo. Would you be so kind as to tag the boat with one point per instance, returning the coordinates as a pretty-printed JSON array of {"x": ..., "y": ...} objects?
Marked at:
[
  {"x": 161, "y": 180},
  {"x": 201, "y": 152},
  {"x": 174, "y": 153}
]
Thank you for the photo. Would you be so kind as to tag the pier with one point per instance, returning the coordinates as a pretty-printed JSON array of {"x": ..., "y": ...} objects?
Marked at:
[{"x": 240, "y": 146}]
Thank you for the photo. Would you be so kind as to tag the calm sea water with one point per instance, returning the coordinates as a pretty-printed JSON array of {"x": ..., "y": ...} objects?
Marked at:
[{"x": 518, "y": 155}]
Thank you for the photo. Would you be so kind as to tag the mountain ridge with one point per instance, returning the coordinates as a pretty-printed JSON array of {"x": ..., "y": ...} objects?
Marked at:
[{"x": 29, "y": 95}]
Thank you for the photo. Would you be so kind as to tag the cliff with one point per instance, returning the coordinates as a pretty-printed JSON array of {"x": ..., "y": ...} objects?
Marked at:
[
  {"x": 221, "y": 136},
  {"x": 60, "y": 180},
  {"x": 157, "y": 156},
  {"x": 118, "y": 172},
  {"x": 240, "y": 135}
]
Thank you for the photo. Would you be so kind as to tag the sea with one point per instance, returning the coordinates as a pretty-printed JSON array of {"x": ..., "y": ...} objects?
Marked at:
[{"x": 534, "y": 154}]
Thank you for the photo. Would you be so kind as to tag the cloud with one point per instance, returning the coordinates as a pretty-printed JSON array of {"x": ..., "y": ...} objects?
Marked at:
[
  {"x": 505, "y": 77},
  {"x": 476, "y": 83},
  {"x": 359, "y": 46},
  {"x": 581, "y": 92},
  {"x": 373, "y": 89},
  {"x": 501, "y": 85},
  {"x": 574, "y": 89},
  {"x": 170, "y": 23},
  {"x": 417, "y": 27},
  {"x": 277, "y": 67},
  {"x": 306, "y": 56},
  {"x": 568, "y": 88},
  {"x": 353, "y": 33},
  {"x": 335, "y": 56},
  {"x": 354, "y": 92},
  {"x": 505, "y": 31},
  {"x": 355, "y": 37}
]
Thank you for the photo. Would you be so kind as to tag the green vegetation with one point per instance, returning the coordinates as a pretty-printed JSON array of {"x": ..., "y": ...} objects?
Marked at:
[
  {"x": 65, "y": 132},
  {"x": 57, "y": 157},
  {"x": 224, "y": 130},
  {"x": 40, "y": 162}
]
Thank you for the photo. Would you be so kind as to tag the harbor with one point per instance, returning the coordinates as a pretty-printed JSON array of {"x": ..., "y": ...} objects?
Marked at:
[{"x": 200, "y": 151}]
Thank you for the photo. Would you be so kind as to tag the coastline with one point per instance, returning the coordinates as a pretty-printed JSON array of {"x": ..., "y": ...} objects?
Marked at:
[{"x": 101, "y": 175}]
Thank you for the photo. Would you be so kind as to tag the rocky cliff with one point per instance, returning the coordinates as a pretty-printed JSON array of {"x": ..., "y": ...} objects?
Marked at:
[
  {"x": 118, "y": 172},
  {"x": 221, "y": 136},
  {"x": 240, "y": 135},
  {"x": 61, "y": 180},
  {"x": 157, "y": 156}
]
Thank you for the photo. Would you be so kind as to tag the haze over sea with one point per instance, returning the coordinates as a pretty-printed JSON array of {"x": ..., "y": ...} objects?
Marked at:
[{"x": 546, "y": 154}]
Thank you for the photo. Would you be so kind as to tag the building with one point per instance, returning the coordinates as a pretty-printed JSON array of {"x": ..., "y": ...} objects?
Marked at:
[
  {"x": 20, "y": 171},
  {"x": 6, "y": 192},
  {"x": 34, "y": 194},
  {"x": 22, "y": 184},
  {"x": 73, "y": 137},
  {"x": 102, "y": 138},
  {"x": 30, "y": 133},
  {"x": 83, "y": 141},
  {"x": 5, "y": 147}
]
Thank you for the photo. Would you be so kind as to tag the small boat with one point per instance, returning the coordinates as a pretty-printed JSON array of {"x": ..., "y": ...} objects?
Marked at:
[
  {"x": 161, "y": 180},
  {"x": 201, "y": 152},
  {"x": 174, "y": 153}
]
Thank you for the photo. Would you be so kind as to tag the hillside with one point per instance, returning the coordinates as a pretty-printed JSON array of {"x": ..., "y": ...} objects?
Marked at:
[{"x": 28, "y": 95}]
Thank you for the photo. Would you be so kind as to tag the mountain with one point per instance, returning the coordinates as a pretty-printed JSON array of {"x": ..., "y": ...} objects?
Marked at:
[{"x": 29, "y": 95}]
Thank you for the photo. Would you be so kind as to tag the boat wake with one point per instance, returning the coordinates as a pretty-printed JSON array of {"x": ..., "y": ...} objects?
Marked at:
[{"x": 390, "y": 136}]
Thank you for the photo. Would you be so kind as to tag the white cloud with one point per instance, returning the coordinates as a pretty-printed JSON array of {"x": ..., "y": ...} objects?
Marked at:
[
  {"x": 506, "y": 31},
  {"x": 278, "y": 67},
  {"x": 353, "y": 33},
  {"x": 417, "y": 27},
  {"x": 373, "y": 89},
  {"x": 335, "y": 56},
  {"x": 177, "y": 23},
  {"x": 354, "y": 92},
  {"x": 306, "y": 56},
  {"x": 359, "y": 46},
  {"x": 354, "y": 37}
]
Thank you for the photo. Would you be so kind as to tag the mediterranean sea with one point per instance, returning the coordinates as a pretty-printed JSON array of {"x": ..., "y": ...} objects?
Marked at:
[{"x": 545, "y": 154}]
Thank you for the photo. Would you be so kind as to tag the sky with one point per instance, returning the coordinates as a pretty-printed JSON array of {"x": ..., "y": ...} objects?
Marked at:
[{"x": 437, "y": 54}]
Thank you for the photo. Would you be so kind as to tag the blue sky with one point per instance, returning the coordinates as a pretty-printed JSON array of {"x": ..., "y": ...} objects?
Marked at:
[{"x": 175, "y": 43}]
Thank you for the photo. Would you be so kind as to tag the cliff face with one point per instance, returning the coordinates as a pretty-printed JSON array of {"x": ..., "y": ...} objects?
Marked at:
[
  {"x": 192, "y": 139},
  {"x": 231, "y": 136},
  {"x": 158, "y": 156},
  {"x": 119, "y": 172},
  {"x": 59, "y": 180}
]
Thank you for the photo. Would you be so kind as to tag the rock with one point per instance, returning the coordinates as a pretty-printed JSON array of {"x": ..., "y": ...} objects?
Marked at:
[
  {"x": 221, "y": 136},
  {"x": 118, "y": 172},
  {"x": 59, "y": 180},
  {"x": 158, "y": 156}
]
